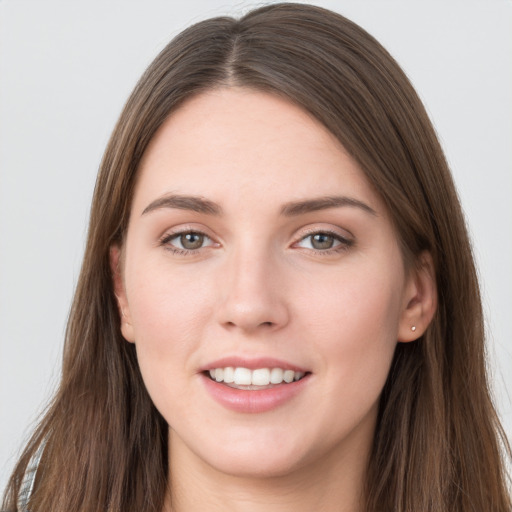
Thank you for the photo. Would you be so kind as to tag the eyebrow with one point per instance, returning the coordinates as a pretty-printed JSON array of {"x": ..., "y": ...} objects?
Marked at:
[
  {"x": 294, "y": 208},
  {"x": 323, "y": 203},
  {"x": 193, "y": 203}
]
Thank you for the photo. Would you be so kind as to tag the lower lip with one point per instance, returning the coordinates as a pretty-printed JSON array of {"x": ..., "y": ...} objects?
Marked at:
[{"x": 256, "y": 400}]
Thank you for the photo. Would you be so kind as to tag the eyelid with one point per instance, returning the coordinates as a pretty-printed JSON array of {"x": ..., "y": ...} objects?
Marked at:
[
  {"x": 173, "y": 236},
  {"x": 337, "y": 232},
  {"x": 176, "y": 232},
  {"x": 344, "y": 241},
  {"x": 180, "y": 229}
]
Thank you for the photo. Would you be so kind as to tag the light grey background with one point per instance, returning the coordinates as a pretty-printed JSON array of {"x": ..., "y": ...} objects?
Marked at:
[{"x": 66, "y": 69}]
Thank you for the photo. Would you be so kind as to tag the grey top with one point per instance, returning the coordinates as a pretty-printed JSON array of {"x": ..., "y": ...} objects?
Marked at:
[{"x": 27, "y": 485}]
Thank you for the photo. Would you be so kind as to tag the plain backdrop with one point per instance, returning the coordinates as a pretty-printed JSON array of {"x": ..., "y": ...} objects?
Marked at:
[{"x": 66, "y": 69}]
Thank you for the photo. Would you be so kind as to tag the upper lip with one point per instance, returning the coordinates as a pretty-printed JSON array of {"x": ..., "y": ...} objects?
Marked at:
[{"x": 252, "y": 363}]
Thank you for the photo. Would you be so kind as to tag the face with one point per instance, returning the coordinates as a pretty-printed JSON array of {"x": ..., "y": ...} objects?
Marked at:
[{"x": 263, "y": 286}]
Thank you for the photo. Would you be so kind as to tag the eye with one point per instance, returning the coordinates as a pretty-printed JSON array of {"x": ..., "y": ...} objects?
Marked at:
[
  {"x": 187, "y": 241},
  {"x": 324, "y": 241}
]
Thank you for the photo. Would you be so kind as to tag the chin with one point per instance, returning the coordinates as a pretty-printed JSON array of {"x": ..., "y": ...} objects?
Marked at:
[
  {"x": 256, "y": 465},
  {"x": 243, "y": 453},
  {"x": 269, "y": 455}
]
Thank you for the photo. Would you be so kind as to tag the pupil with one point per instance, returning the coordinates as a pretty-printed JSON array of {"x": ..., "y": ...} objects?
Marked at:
[
  {"x": 322, "y": 241},
  {"x": 192, "y": 240}
]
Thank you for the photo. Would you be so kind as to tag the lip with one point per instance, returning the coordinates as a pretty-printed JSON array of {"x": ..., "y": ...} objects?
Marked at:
[
  {"x": 255, "y": 400},
  {"x": 252, "y": 364}
]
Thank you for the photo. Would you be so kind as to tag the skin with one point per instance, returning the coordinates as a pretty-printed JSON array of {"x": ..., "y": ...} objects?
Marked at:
[{"x": 258, "y": 286}]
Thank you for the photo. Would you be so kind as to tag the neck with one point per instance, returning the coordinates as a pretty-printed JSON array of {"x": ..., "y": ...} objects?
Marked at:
[{"x": 333, "y": 485}]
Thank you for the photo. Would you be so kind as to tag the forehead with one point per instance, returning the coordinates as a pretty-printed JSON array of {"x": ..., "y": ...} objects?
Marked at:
[{"x": 237, "y": 143}]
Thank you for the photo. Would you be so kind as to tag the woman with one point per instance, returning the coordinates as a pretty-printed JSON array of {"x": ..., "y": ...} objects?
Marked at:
[{"x": 278, "y": 305}]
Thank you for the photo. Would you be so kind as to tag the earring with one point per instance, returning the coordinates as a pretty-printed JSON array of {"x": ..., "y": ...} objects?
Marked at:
[{"x": 413, "y": 328}]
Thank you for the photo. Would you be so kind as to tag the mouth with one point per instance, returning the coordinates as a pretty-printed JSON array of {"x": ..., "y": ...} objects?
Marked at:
[
  {"x": 254, "y": 385},
  {"x": 258, "y": 379}
]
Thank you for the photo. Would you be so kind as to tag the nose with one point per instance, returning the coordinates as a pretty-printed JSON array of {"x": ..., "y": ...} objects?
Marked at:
[{"x": 252, "y": 295}]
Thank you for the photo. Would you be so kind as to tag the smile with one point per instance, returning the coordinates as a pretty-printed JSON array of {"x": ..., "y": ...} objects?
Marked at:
[
  {"x": 245, "y": 378},
  {"x": 254, "y": 390}
]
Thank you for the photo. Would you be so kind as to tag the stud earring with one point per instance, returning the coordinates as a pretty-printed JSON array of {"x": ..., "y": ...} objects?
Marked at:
[{"x": 413, "y": 328}]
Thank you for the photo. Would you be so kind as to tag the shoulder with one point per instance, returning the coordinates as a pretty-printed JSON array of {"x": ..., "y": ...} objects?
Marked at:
[{"x": 27, "y": 486}]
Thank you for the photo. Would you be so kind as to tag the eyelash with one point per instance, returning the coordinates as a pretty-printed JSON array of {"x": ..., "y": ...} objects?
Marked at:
[
  {"x": 165, "y": 241},
  {"x": 344, "y": 243}
]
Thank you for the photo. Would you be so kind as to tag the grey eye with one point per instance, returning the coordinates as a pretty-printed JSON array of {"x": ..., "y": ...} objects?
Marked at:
[
  {"x": 187, "y": 241},
  {"x": 322, "y": 241},
  {"x": 191, "y": 240}
]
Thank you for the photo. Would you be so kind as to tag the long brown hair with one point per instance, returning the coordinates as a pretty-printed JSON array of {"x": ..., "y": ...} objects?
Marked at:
[{"x": 438, "y": 441}]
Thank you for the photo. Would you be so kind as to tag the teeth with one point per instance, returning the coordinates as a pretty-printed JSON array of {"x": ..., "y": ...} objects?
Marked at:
[
  {"x": 229, "y": 375},
  {"x": 288, "y": 376},
  {"x": 242, "y": 377},
  {"x": 260, "y": 377},
  {"x": 276, "y": 376}
]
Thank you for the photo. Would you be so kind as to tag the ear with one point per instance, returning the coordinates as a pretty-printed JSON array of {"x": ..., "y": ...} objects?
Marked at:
[
  {"x": 120, "y": 293},
  {"x": 420, "y": 299}
]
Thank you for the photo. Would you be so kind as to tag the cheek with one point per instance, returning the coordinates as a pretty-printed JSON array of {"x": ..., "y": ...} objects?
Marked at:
[
  {"x": 167, "y": 306},
  {"x": 353, "y": 320},
  {"x": 361, "y": 302},
  {"x": 169, "y": 312}
]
